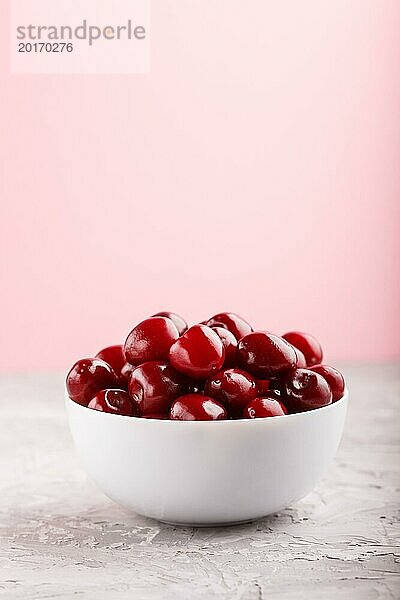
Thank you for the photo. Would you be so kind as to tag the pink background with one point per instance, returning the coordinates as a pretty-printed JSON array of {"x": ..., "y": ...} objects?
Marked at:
[{"x": 256, "y": 168}]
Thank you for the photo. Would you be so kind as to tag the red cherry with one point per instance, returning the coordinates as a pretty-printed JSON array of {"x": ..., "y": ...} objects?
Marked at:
[
  {"x": 263, "y": 387},
  {"x": 126, "y": 371},
  {"x": 87, "y": 377},
  {"x": 153, "y": 386},
  {"x": 198, "y": 353},
  {"x": 265, "y": 355},
  {"x": 230, "y": 344},
  {"x": 113, "y": 401},
  {"x": 179, "y": 323},
  {"x": 114, "y": 356},
  {"x": 233, "y": 388},
  {"x": 231, "y": 321},
  {"x": 301, "y": 359},
  {"x": 194, "y": 407},
  {"x": 307, "y": 344},
  {"x": 150, "y": 340},
  {"x": 159, "y": 417},
  {"x": 334, "y": 379},
  {"x": 264, "y": 407},
  {"x": 305, "y": 390}
]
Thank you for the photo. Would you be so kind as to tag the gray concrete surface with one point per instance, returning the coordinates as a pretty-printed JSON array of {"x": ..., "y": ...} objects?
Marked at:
[{"x": 60, "y": 538}]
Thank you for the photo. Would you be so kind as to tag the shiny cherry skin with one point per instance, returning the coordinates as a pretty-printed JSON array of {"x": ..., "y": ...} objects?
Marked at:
[
  {"x": 125, "y": 372},
  {"x": 150, "y": 340},
  {"x": 268, "y": 406},
  {"x": 154, "y": 385},
  {"x": 231, "y": 321},
  {"x": 198, "y": 353},
  {"x": 334, "y": 378},
  {"x": 233, "y": 388},
  {"x": 301, "y": 359},
  {"x": 230, "y": 344},
  {"x": 265, "y": 355},
  {"x": 178, "y": 321},
  {"x": 305, "y": 390},
  {"x": 87, "y": 377},
  {"x": 194, "y": 407},
  {"x": 114, "y": 356},
  {"x": 307, "y": 344},
  {"x": 116, "y": 402}
]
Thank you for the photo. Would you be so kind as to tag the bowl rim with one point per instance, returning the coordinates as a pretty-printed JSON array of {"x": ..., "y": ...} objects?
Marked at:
[{"x": 278, "y": 418}]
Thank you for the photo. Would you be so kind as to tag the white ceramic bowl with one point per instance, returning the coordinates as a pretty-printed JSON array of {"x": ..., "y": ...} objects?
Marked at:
[{"x": 202, "y": 472}]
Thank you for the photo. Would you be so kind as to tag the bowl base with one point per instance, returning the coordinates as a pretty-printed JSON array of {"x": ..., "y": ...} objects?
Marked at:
[{"x": 221, "y": 524}]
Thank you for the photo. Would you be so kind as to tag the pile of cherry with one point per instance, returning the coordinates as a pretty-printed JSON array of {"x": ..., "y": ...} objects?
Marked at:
[{"x": 218, "y": 369}]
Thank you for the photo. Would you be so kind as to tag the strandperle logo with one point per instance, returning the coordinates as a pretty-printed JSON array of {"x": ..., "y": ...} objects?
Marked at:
[
  {"x": 84, "y": 31},
  {"x": 85, "y": 37}
]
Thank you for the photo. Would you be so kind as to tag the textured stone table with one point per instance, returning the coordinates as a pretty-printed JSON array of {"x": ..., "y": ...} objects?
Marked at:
[{"x": 60, "y": 538}]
